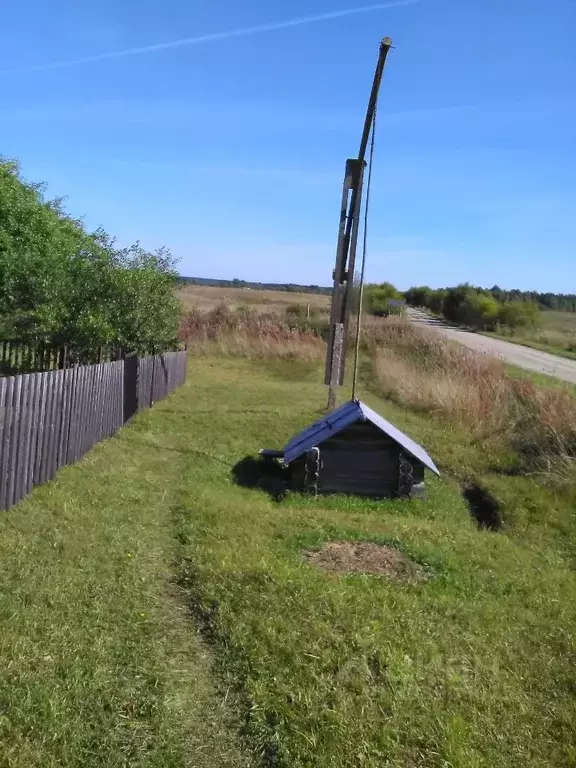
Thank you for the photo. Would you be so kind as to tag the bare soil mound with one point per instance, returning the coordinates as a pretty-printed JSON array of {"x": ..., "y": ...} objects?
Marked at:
[{"x": 366, "y": 557}]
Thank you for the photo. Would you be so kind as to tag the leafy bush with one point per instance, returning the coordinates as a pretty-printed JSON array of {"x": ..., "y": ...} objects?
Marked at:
[
  {"x": 475, "y": 307},
  {"x": 418, "y": 296},
  {"x": 377, "y": 298},
  {"x": 63, "y": 285},
  {"x": 519, "y": 314}
]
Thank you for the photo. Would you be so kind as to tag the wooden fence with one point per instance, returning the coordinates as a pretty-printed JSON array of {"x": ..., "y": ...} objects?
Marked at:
[
  {"x": 51, "y": 419},
  {"x": 35, "y": 357},
  {"x": 16, "y": 357}
]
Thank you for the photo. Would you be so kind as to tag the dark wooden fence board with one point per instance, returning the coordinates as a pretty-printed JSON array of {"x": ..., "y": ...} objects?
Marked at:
[
  {"x": 6, "y": 386},
  {"x": 109, "y": 400},
  {"x": 64, "y": 421},
  {"x": 81, "y": 412},
  {"x": 84, "y": 412},
  {"x": 56, "y": 420},
  {"x": 77, "y": 414},
  {"x": 89, "y": 429},
  {"x": 15, "y": 428},
  {"x": 41, "y": 473},
  {"x": 89, "y": 426},
  {"x": 130, "y": 393},
  {"x": 73, "y": 422},
  {"x": 75, "y": 417},
  {"x": 40, "y": 421},
  {"x": 149, "y": 394},
  {"x": 34, "y": 430},
  {"x": 106, "y": 404},
  {"x": 98, "y": 403},
  {"x": 117, "y": 396},
  {"x": 67, "y": 403},
  {"x": 96, "y": 396},
  {"x": 12, "y": 406},
  {"x": 23, "y": 466},
  {"x": 23, "y": 439},
  {"x": 144, "y": 383},
  {"x": 103, "y": 392}
]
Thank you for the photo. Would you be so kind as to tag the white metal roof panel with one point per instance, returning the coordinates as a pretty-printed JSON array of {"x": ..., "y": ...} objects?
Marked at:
[{"x": 343, "y": 417}]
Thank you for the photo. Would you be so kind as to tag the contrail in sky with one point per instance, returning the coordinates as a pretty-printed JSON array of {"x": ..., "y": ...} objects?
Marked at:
[{"x": 211, "y": 38}]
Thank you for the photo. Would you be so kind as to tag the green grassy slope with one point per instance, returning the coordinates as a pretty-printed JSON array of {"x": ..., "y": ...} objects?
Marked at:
[{"x": 102, "y": 666}]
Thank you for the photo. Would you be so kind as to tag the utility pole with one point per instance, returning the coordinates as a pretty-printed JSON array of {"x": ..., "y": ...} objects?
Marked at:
[{"x": 343, "y": 274}]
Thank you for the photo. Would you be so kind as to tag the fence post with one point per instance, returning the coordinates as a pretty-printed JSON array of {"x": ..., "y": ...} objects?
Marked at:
[
  {"x": 152, "y": 383},
  {"x": 130, "y": 373},
  {"x": 62, "y": 358}
]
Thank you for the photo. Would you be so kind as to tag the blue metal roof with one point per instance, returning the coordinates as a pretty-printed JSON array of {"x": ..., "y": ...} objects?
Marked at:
[{"x": 343, "y": 417}]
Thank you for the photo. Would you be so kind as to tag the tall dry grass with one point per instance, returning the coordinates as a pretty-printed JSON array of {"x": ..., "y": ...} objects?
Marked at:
[
  {"x": 420, "y": 369},
  {"x": 207, "y": 297},
  {"x": 242, "y": 333}
]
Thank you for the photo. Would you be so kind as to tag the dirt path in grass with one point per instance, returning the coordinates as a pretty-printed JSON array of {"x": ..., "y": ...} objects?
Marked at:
[
  {"x": 515, "y": 354},
  {"x": 102, "y": 663}
]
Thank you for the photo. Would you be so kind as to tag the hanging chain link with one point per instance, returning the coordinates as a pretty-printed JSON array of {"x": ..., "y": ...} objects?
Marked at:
[
  {"x": 312, "y": 471},
  {"x": 405, "y": 475}
]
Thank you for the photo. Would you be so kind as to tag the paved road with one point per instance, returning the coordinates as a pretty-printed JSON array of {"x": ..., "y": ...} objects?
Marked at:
[{"x": 516, "y": 354}]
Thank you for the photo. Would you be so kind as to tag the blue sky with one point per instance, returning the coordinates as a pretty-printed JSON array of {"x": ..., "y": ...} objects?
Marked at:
[{"x": 229, "y": 148}]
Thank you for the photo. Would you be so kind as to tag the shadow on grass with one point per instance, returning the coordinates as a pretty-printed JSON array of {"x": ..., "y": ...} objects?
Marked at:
[
  {"x": 484, "y": 508},
  {"x": 264, "y": 474}
]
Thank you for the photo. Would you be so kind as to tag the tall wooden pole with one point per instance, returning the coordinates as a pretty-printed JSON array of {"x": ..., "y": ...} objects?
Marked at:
[{"x": 347, "y": 240}]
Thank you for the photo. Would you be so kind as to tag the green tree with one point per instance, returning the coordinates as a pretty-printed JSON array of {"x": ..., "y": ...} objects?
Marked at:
[
  {"x": 482, "y": 311},
  {"x": 418, "y": 296},
  {"x": 519, "y": 314},
  {"x": 63, "y": 285},
  {"x": 376, "y": 298},
  {"x": 456, "y": 303}
]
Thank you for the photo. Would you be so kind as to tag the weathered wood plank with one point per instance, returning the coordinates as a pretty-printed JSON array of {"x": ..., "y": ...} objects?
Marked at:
[
  {"x": 26, "y": 457},
  {"x": 55, "y": 434},
  {"x": 67, "y": 401},
  {"x": 6, "y": 386},
  {"x": 40, "y": 421},
  {"x": 15, "y": 427}
]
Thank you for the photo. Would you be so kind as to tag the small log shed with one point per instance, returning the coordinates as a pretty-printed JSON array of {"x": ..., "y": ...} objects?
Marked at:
[{"x": 353, "y": 450}]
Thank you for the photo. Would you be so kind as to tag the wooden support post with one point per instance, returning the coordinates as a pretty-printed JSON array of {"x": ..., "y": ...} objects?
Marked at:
[{"x": 335, "y": 363}]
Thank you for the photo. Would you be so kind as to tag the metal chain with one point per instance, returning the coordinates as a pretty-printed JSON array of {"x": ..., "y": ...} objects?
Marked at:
[
  {"x": 312, "y": 470},
  {"x": 405, "y": 475}
]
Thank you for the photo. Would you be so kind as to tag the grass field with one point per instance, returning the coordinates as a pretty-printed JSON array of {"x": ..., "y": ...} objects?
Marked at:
[
  {"x": 556, "y": 335},
  {"x": 108, "y": 572},
  {"x": 101, "y": 663},
  {"x": 205, "y": 297}
]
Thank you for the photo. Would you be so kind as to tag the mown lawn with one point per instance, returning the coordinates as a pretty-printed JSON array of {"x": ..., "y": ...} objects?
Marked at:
[
  {"x": 100, "y": 661},
  {"x": 105, "y": 571}
]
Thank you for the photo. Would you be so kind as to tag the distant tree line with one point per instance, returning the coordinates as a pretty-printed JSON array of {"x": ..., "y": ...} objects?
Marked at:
[
  {"x": 63, "y": 285},
  {"x": 236, "y": 283},
  {"x": 484, "y": 309},
  {"x": 560, "y": 302}
]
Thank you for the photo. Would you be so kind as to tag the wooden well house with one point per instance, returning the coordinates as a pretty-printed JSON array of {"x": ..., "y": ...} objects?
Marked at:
[{"x": 353, "y": 450}]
